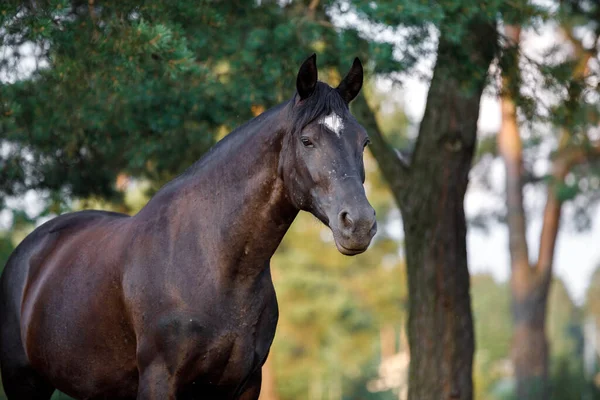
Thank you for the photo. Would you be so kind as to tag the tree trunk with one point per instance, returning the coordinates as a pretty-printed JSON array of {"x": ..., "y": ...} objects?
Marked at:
[
  {"x": 530, "y": 284},
  {"x": 268, "y": 390},
  {"x": 529, "y": 350},
  {"x": 440, "y": 324},
  {"x": 430, "y": 193}
]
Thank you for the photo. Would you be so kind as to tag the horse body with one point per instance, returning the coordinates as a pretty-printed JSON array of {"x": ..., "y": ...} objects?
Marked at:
[
  {"x": 176, "y": 301},
  {"x": 222, "y": 328}
]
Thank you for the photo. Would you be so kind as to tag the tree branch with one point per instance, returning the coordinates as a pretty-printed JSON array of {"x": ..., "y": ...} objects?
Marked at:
[
  {"x": 561, "y": 166},
  {"x": 312, "y": 7},
  {"x": 566, "y": 159},
  {"x": 394, "y": 169},
  {"x": 584, "y": 55}
]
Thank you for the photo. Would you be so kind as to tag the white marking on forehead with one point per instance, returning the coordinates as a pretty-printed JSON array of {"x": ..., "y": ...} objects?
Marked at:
[{"x": 333, "y": 122}]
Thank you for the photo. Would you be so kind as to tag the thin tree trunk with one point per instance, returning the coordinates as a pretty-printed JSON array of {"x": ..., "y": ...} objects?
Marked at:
[
  {"x": 430, "y": 193},
  {"x": 387, "y": 336},
  {"x": 529, "y": 290},
  {"x": 268, "y": 390},
  {"x": 530, "y": 284}
]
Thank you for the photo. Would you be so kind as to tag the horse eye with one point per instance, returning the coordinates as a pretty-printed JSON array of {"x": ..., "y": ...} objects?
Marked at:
[
  {"x": 306, "y": 142},
  {"x": 367, "y": 142}
]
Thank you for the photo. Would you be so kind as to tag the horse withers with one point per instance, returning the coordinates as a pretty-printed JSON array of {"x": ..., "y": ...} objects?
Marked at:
[{"x": 177, "y": 301}]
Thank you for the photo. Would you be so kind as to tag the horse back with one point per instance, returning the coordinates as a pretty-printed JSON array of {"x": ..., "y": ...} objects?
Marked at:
[
  {"x": 43, "y": 240},
  {"x": 39, "y": 242}
]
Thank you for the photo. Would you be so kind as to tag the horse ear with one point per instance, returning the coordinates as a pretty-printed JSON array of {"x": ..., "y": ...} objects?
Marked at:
[
  {"x": 350, "y": 86},
  {"x": 306, "y": 82}
]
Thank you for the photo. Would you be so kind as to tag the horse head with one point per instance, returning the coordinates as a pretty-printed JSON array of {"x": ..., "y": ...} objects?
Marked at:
[{"x": 322, "y": 158}]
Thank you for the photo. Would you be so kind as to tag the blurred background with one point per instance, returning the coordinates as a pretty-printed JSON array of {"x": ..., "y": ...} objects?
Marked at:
[{"x": 101, "y": 103}]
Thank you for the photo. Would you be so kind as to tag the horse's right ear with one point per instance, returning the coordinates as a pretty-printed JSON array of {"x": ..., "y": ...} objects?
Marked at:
[
  {"x": 350, "y": 86},
  {"x": 306, "y": 82}
]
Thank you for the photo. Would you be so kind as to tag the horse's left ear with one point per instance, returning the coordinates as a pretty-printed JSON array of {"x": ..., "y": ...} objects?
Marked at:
[
  {"x": 350, "y": 86},
  {"x": 306, "y": 81}
]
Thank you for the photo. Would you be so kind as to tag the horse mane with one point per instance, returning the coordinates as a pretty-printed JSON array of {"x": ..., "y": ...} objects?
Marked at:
[{"x": 323, "y": 101}]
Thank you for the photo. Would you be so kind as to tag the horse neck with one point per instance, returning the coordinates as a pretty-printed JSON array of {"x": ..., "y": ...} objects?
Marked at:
[{"x": 233, "y": 199}]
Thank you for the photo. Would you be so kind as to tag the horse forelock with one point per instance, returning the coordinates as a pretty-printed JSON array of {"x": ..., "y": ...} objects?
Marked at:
[{"x": 325, "y": 105}]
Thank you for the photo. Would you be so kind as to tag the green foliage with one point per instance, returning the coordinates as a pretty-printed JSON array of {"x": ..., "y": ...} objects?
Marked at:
[
  {"x": 591, "y": 311},
  {"x": 6, "y": 247},
  {"x": 563, "y": 322},
  {"x": 592, "y": 300},
  {"x": 567, "y": 380},
  {"x": 144, "y": 88},
  {"x": 493, "y": 331}
]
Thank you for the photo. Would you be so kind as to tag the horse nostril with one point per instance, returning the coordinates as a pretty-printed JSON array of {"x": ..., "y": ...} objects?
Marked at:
[
  {"x": 373, "y": 229},
  {"x": 345, "y": 220}
]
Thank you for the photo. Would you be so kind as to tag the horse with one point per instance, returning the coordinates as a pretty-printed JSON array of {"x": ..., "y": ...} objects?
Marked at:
[{"x": 177, "y": 301}]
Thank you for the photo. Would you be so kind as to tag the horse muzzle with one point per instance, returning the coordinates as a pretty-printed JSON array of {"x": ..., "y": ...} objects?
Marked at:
[{"x": 353, "y": 229}]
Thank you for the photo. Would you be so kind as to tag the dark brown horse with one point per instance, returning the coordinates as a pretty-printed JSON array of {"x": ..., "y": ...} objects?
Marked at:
[{"x": 177, "y": 301}]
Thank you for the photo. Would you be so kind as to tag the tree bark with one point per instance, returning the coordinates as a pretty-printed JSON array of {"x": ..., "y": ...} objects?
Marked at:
[{"x": 430, "y": 193}]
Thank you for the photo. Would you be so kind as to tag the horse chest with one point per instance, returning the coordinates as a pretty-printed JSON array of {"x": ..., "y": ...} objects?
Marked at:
[
  {"x": 241, "y": 343},
  {"x": 220, "y": 343}
]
